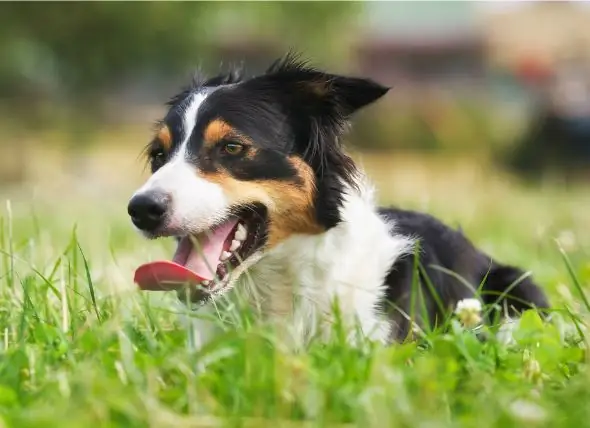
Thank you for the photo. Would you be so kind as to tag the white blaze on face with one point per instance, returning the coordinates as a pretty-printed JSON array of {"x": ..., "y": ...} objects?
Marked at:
[{"x": 196, "y": 203}]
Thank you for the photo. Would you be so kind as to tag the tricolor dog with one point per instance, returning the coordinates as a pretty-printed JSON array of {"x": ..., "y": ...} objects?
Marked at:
[{"x": 250, "y": 176}]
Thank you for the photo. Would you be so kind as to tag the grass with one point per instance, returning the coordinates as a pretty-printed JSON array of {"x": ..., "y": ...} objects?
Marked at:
[{"x": 80, "y": 347}]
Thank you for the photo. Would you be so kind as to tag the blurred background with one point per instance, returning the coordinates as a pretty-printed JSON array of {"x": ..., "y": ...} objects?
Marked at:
[
  {"x": 489, "y": 112},
  {"x": 507, "y": 81}
]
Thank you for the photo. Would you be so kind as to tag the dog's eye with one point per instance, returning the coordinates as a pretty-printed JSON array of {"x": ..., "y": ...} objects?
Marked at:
[
  {"x": 158, "y": 159},
  {"x": 232, "y": 148}
]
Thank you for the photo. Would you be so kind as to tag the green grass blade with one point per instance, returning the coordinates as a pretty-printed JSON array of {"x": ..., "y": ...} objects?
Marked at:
[
  {"x": 90, "y": 283},
  {"x": 574, "y": 278}
]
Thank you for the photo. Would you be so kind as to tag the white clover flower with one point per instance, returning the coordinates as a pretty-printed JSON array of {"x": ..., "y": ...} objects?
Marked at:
[
  {"x": 527, "y": 411},
  {"x": 505, "y": 334},
  {"x": 469, "y": 312}
]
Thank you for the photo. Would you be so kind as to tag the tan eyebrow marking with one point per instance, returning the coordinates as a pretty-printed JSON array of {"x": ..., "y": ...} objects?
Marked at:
[
  {"x": 216, "y": 131},
  {"x": 165, "y": 137}
]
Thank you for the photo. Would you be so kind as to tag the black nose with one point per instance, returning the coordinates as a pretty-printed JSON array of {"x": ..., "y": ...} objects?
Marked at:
[{"x": 148, "y": 210}]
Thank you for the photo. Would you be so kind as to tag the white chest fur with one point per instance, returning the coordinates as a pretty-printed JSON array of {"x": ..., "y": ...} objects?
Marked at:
[{"x": 298, "y": 282}]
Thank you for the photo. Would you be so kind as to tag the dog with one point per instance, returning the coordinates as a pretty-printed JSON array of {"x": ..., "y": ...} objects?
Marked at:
[{"x": 251, "y": 178}]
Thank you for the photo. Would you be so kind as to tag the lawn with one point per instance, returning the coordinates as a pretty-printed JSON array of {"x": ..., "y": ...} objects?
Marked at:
[{"x": 81, "y": 348}]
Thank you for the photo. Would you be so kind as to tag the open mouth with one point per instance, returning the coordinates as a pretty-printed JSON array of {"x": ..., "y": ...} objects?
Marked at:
[{"x": 204, "y": 261}]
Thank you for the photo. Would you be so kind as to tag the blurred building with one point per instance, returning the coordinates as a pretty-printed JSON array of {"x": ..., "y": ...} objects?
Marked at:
[
  {"x": 539, "y": 33},
  {"x": 414, "y": 45},
  {"x": 422, "y": 45},
  {"x": 545, "y": 47}
]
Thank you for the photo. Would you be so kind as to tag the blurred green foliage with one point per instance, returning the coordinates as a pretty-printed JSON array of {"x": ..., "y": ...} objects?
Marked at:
[
  {"x": 60, "y": 62},
  {"x": 83, "y": 45},
  {"x": 79, "y": 48},
  {"x": 460, "y": 125}
]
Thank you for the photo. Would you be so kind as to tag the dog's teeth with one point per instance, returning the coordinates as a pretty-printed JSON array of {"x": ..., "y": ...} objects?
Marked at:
[
  {"x": 225, "y": 255},
  {"x": 205, "y": 282},
  {"x": 235, "y": 245},
  {"x": 241, "y": 233}
]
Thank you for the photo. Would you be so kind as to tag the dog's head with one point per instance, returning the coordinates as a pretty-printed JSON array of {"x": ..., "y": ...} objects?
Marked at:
[{"x": 240, "y": 165}]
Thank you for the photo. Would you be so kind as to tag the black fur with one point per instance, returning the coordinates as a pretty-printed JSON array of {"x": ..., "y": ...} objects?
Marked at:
[{"x": 442, "y": 250}]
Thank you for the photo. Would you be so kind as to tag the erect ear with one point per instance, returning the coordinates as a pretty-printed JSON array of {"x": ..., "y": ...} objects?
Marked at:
[
  {"x": 341, "y": 94},
  {"x": 353, "y": 93}
]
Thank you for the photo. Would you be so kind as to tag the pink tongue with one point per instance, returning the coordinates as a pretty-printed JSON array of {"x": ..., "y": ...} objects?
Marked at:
[
  {"x": 203, "y": 257},
  {"x": 192, "y": 263}
]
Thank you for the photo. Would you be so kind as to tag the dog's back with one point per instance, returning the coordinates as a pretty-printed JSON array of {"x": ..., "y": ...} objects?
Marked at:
[{"x": 449, "y": 268}]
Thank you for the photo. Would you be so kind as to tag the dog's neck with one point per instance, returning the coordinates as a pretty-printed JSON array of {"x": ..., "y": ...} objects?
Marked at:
[{"x": 299, "y": 280}]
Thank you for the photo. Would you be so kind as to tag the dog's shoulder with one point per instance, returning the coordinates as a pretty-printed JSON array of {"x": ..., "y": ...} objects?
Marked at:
[
  {"x": 430, "y": 232},
  {"x": 416, "y": 222}
]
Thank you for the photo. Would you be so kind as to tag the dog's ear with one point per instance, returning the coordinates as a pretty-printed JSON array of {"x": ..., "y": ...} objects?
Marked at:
[
  {"x": 322, "y": 93},
  {"x": 351, "y": 93}
]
